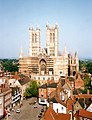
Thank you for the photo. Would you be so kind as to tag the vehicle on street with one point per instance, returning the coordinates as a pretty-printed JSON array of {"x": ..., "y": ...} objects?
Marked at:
[
  {"x": 35, "y": 106},
  {"x": 18, "y": 111},
  {"x": 8, "y": 113},
  {"x": 12, "y": 110}
]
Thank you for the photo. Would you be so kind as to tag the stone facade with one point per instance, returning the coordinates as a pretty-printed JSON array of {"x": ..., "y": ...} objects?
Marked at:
[
  {"x": 5, "y": 98},
  {"x": 47, "y": 61}
]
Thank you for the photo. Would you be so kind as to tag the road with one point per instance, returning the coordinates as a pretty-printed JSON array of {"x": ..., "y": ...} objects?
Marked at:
[{"x": 28, "y": 112}]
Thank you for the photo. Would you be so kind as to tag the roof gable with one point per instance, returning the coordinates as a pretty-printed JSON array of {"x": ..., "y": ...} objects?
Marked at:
[
  {"x": 89, "y": 108},
  {"x": 17, "y": 83},
  {"x": 24, "y": 80},
  {"x": 67, "y": 86},
  {"x": 79, "y": 82},
  {"x": 77, "y": 106}
]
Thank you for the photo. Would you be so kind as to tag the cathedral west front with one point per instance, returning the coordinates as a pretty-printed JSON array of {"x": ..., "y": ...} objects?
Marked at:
[{"x": 47, "y": 61}]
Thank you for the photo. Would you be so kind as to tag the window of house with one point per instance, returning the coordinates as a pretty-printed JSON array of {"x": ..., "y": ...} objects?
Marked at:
[
  {"x": 10, "y": 84},
  {"x": 41, "y": 95},
  {"x": 43, "y": 78}
]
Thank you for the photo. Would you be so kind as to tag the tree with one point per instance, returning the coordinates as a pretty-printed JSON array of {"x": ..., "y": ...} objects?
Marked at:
[
  {"x": 87, "y": 84},
  {"x": 82, "y": 65},
  {"x": 10, "y": 65},
  {"x": 87, "y": 81},
  {"x": 85, "y": 66},
  {"x": 32, "y": 90},
  {"x": 89, "y": 67}
]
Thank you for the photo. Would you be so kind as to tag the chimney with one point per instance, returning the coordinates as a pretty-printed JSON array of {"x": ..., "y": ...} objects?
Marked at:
[
  {"x": 51, "y": 104},
  {"x": 57, "y": 111}
]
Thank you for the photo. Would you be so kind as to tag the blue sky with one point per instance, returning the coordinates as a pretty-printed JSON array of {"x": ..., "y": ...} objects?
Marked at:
[{"x": 74, "y": 18}]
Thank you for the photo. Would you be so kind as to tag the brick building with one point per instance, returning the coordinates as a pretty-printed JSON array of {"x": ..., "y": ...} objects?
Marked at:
[{"x": 5, "y": 97}]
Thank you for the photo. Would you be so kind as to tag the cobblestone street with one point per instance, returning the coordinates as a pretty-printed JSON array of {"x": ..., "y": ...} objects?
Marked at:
[{"x": 28, "y": 112}]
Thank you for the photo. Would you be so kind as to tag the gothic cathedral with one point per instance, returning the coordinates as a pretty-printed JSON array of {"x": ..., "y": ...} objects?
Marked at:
[{"x": 47, "y": 61}]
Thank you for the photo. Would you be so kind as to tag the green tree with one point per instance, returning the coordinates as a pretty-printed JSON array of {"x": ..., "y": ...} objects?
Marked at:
[
  {"x": 87, "y": 84},
  {"x": 87, "y": 81},
  {"x": 82, "y": 65},
  {"x": 9, "y": 64},
  {"x": 32, "y": 90},
  {"x": 89, "y": 67}
]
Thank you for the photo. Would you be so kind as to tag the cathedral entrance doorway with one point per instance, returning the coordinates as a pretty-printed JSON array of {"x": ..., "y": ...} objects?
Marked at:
[{"x": 42, "y": 67}]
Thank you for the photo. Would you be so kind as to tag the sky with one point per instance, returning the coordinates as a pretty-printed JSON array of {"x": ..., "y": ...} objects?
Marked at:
[{"x": 74, "y": 18}]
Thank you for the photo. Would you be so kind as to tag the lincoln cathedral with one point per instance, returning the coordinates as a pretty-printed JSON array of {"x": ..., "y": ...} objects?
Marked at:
[{"x": 48, "y": 60}]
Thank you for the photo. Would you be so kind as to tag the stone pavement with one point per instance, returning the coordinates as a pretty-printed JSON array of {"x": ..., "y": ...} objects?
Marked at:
[{"x": 28, "y": 112}]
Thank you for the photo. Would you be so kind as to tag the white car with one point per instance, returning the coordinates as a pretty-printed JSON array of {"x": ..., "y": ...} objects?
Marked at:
[
  {"x": 12, "y": 110},
  {"x": 18, "y": 111},
  {"x": 8, "y": 113}
]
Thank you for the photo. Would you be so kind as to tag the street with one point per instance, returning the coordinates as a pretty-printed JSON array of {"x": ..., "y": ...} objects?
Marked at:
[{"x": 28, "y": 111}]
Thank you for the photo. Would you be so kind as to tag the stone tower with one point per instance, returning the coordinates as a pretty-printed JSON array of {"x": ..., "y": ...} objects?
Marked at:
[
  {"x": 34, "y": 41},
  {"x": 52, "y": 40}
]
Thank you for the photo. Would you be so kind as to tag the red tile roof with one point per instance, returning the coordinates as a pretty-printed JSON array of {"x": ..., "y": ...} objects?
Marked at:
[
  {"x": 50, "y": 114},
  {"x": 70, "y": 102},
  {"x": 79, "y": 82},
  {"x": 84, "y": 96},
  {"x": 84, "y": 114},
  {"x": 62, "y": 116}
]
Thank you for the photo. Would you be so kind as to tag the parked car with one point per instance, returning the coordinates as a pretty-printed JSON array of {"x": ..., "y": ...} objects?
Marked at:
[
  {"x": 18, "y": 111},
  {"x": 35, "y": 106},
  {"x": 12, "y": 110},
  {"x": 8, "y": 113}
]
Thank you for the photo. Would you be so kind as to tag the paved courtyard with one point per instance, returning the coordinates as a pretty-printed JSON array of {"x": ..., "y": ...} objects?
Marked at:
[{"x": 28, "y": 112}]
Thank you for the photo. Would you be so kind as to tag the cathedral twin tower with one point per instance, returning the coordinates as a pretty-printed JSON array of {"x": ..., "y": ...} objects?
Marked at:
[{"x": 51, "y": 41}]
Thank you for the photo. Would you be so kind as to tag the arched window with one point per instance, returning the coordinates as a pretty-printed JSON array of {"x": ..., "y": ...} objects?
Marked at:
[
  {"x": 33, "y": 38},
  {"x": 43, "y": 66},
  {"x": 50, "y": 37},
  {"x": 53, "y": 37}
]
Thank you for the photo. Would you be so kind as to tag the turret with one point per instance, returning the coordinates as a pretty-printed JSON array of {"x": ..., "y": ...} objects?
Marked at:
[
  {"x": 52, "y": 39},
  {"x": 34, "y": 41},
  {"x": 21, "y": 53},
  {"x": 77, "y": 61}
]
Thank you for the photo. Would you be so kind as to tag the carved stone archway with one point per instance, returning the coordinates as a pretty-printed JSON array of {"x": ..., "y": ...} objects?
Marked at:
[{"x": 42, "y": 67}]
